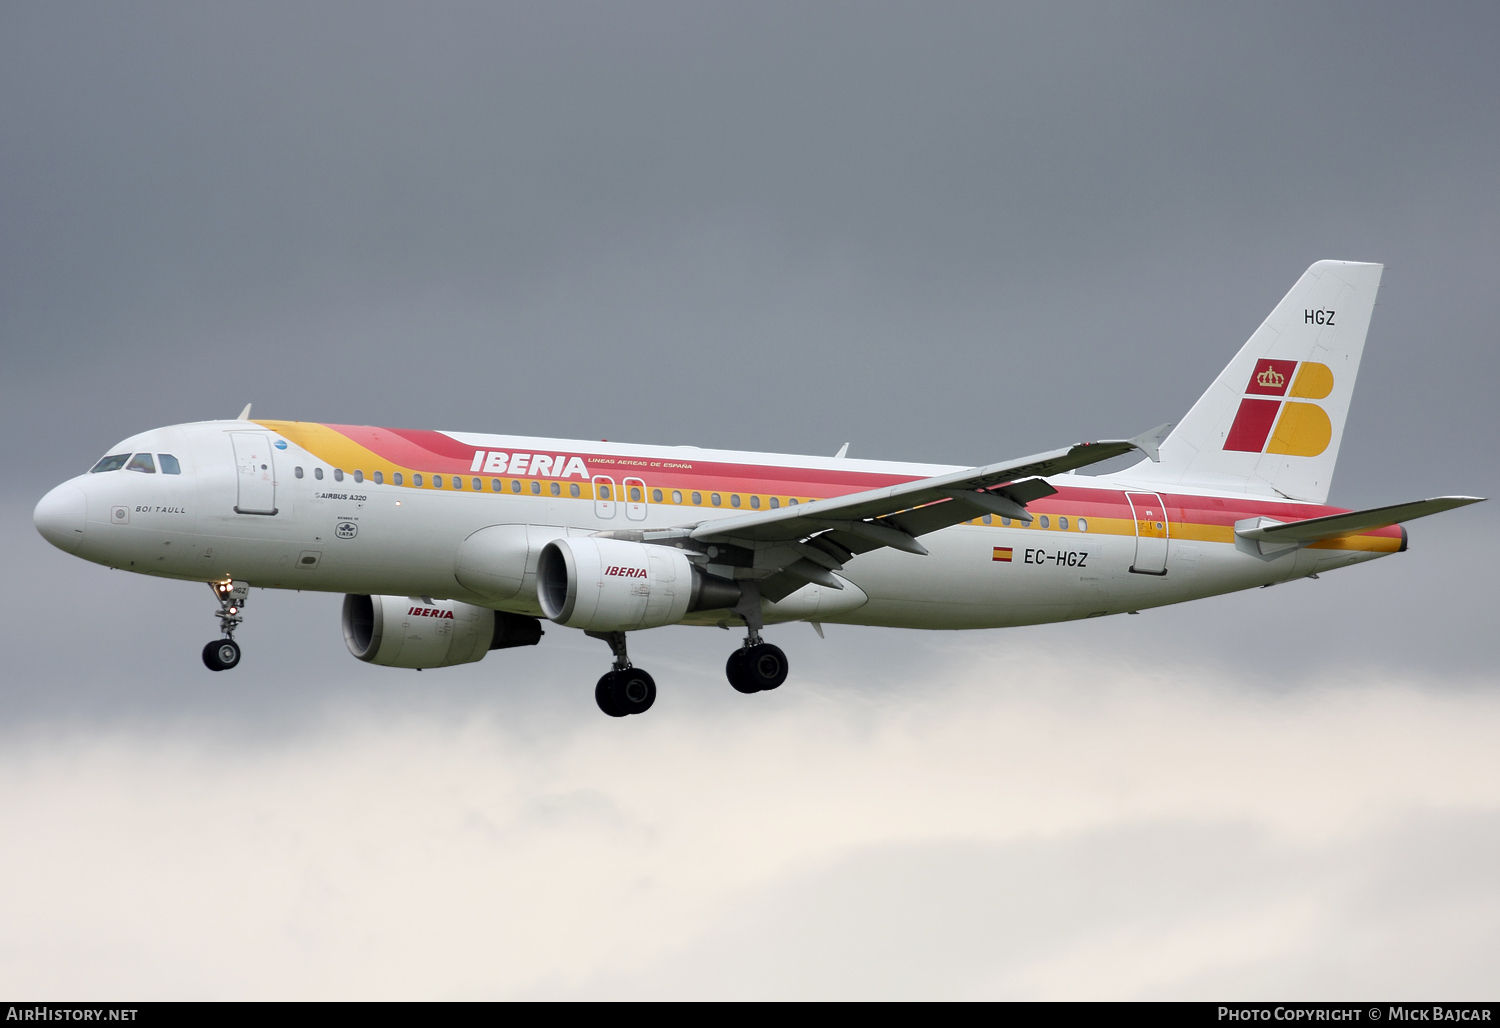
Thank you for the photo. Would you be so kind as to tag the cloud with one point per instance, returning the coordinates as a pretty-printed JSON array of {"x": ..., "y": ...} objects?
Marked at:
[{"x": 1025, "y": 825}]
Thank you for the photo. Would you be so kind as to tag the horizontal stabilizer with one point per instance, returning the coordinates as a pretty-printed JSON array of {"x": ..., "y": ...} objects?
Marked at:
[{"x": 1314, "y": 529}]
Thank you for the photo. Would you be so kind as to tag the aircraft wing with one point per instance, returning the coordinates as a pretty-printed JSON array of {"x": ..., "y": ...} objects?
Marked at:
[
  {"x": 895, "y": 515},
  {"x": 1314, "y": 529}
]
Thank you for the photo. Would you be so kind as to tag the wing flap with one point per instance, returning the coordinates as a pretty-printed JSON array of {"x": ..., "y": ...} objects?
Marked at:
[{"x": 841, "y": 512}]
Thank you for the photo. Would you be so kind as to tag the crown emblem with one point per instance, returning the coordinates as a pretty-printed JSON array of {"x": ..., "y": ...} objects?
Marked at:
[{"x": 1271, "y": 378}]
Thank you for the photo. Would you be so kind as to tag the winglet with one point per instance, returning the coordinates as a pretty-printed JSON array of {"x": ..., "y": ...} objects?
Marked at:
[
  {"x": 244, "y": 414},
  {"x": 1149, "y": 443},
  {"x": 842, "y": 450}
]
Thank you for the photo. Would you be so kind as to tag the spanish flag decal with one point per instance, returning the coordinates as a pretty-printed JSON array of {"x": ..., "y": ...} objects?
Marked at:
[{"x": 1002, "y": 553}]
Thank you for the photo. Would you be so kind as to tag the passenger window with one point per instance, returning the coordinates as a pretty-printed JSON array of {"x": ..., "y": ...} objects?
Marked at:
[
  {"x": 297, "y": 471},
  {"x": 169, "y": 465},
  {"x": 338, "y": 474},
  {"x": 635, "y": 494},
  {"x": 143, "y": 463},
  {"x": 1083, "y": 525},
  {"x": 1045, "y": 523},
  {"x": 656, "y": 496},
  {"x": 775, "y": 502},
  {"x": 458, "y": 483},
  {"x": 397, "y": 478},
  {"x": 676, "y": 495},
  {"x": 555, "y": 489},
  {"x": 359, "y": 476},
  {"x": 536, "y": 488},
  {"x": 495, "y": 485},
  {"x": 734, "y": 501},
  {"x": 1062, "y": 523},
  {"x": 416, "y": 479},
  {"x": 604, "y": 492},
  {"x": 989, "y": 519},
  {"x": 714, "y": 498},
  {"x": 791, "y": 501},
  {"x": 573, "y": 489},
  {"x": 318, "y": 474},
  {"x": 755, "y": 503},
  {"x": 697, "y": 498},
  {"x": 478, "y": 485},
  {"x": 379, "y": 478},
  {"x": 1005, "y": 522},
  {"x": 515, "y": 485},
  {"x": 437, "y": 481}
]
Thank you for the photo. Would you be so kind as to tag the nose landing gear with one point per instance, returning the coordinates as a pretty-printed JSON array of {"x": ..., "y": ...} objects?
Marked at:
[
  {"x": 223, "y": 654},
  {"x": 625, "y": 689}
]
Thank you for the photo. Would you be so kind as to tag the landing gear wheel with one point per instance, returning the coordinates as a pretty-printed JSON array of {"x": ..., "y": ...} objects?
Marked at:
[
  {"x": 633, "y": 691},
  {"x": 620, "y": 693},
  {"x": 604, "y": 695},
  {"x": 734, "y": 670},
  {"x": 757, "y": 668},
  {"x": 221, "y": 654},
  {"x": 764, "y": 666}
]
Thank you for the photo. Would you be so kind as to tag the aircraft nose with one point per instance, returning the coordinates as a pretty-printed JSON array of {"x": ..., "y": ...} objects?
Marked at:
[{"x": 60, "y": 516}]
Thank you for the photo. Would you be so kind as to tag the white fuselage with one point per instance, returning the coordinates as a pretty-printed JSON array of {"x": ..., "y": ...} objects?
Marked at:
[{"x": 335, "y": 534}]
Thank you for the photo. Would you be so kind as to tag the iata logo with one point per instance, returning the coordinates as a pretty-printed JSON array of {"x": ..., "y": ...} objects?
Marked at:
[
  {"x": 429, "y": 612},
  {"x": 1301, "y": 429},
  {"x": 625, "y": 572},
  {"x": 1271, "y": 377},
  {"x": 346, "y": 530}
]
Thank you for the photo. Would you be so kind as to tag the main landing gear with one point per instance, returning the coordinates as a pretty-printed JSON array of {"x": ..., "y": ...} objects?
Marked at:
[
  {"x": 624, "y": 689},
  {"x": 223, "y": 654},
  {"x": 756, "y": 666}
]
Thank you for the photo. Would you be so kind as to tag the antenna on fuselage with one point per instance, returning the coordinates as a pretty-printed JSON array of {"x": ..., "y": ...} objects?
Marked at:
[{"x": 244, "y": 414}]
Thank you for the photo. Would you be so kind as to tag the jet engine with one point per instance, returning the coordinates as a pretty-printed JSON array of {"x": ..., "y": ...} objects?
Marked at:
[
  {"x": 410, "y": 631},
  {"x": 613, "y": 585}
]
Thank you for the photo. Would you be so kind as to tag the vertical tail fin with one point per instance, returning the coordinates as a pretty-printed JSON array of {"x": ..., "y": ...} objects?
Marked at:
[{"x": 1272, "y": 421}]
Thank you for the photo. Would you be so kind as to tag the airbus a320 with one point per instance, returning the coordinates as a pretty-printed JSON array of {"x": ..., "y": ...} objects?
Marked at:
[{"x": 448, "y": 545}]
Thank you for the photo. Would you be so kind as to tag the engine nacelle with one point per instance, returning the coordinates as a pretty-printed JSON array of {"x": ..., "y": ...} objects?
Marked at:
[
  {"x": 612, "y": 585},
  {"x": 408, "y": 631}
]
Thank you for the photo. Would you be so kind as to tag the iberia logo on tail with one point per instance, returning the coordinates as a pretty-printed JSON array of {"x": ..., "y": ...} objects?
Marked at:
[{"x": 1301, "y": 429}]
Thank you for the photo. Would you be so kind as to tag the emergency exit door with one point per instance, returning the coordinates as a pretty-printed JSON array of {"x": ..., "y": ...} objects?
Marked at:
[
  {"x": 604, "y": 496},
  {"x": 256, "y": 470},
  {"x": 635, "y": 499},
  {"x": 1151, "y": 532}
]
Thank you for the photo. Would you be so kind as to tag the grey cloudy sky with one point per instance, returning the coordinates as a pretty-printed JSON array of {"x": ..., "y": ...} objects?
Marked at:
[{"x": 941, "y": 232}]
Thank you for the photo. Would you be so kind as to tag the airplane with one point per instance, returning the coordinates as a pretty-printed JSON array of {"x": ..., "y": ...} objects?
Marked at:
[{"x": 447, "y": 545}]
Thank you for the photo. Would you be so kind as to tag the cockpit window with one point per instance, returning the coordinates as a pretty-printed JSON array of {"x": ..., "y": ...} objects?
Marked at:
[
  {"x": 142, "y": 462},
  {"x": 114, "y": 462},
  {"x": 169, "y": 465}
]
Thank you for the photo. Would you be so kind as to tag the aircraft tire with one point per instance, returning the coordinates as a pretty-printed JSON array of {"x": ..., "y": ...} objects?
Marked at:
[
  {"x": 734, "y": 670},
  {"x": 221, "y": 654},
  {"x": 632, "y": 691},
  {"x": 604, "y": 695},
  {"x": 764, "y": 666}
]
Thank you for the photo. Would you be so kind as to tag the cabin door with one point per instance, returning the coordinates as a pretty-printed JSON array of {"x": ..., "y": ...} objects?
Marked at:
[
  {"x": 256, "y": 471},
  {"x": 1151, "y": 530}
]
